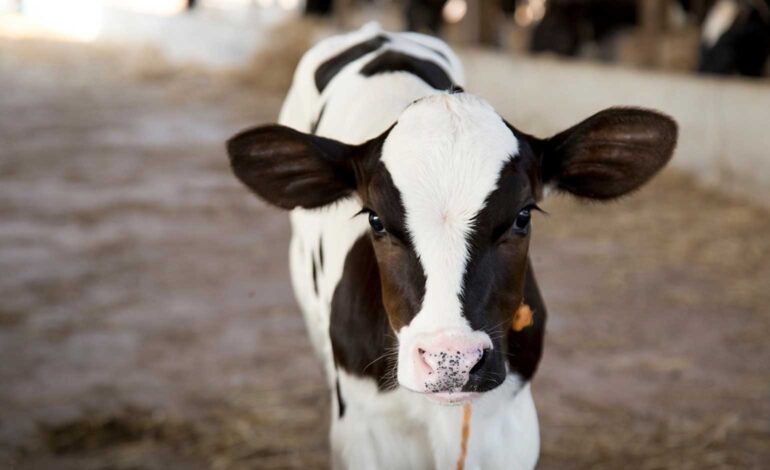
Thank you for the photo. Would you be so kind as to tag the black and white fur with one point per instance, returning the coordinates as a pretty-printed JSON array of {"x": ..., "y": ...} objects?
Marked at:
[{"x": 378, "y": 122}]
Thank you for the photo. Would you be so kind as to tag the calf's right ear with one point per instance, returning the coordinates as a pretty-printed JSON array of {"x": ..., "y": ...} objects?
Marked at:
[{"x": 289, "y": 169}]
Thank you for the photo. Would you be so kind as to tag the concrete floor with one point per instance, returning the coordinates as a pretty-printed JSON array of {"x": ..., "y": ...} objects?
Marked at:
[{"x": 146, "y": 319}]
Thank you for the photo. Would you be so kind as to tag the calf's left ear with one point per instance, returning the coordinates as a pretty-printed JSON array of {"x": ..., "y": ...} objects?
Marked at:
[{"x": 609, "y": 154}]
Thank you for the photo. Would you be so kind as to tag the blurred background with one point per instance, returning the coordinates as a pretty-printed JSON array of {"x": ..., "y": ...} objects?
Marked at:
[{"x": 146, "y": 316}]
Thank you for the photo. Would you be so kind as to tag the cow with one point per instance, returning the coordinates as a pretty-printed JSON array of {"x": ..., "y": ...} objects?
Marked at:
[
  {"x": 411, "y": 204},
  {"x": 736, "y": 38},
  {"x": 569, "y": 24}
]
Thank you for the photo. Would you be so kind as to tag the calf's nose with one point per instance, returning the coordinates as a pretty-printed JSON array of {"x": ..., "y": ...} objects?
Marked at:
[
  {"x": 462, "y": 361},
  {"x": 447, "y": 361}
]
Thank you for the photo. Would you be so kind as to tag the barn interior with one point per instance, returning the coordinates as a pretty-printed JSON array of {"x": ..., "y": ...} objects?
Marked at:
[{"x": 146, "y": 315}]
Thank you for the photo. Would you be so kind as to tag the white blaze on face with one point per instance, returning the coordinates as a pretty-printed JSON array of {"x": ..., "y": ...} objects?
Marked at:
[{"x": 445, "y": 155}]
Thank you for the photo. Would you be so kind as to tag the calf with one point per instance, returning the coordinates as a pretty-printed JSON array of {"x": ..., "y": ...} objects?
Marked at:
[{"x": 411, "y": 205}]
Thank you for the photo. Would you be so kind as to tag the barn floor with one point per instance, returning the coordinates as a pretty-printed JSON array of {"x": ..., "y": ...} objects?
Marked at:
[{"x": 147, "y": 322}]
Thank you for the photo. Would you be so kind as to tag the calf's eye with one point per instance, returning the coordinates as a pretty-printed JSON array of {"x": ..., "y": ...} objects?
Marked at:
[
  {"x": 521, "y": 224},
  {"x": 376, "y": 223}
]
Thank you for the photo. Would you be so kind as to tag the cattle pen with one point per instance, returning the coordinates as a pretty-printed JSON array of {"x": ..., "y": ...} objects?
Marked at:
[{"x": 147, "y": 319}]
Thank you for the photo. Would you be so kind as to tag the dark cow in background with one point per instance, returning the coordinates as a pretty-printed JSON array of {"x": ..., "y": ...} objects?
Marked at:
[
  {"x": 735, "y": 33},
  {"x": 318, "y": 7},
  {"x": 411, "y": 204},
  {"x": 424, "y": 15},
  {"x": 736, "y": 38},
  {"x": 570, "y": 24}
]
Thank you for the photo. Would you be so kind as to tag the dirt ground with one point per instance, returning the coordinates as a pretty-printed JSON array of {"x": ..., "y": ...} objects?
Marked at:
[{"x": 147, "y": 322}]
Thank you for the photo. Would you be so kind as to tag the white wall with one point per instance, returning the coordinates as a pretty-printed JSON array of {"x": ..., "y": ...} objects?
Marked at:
[
  {"x": 7, "y": 6},
  {"x": 222, "y": 33},
  {"x": 724, "y": 124},
  {"x": 216, "y": 38}
]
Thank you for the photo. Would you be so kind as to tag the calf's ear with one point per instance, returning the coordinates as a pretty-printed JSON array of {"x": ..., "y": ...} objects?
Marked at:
[
  {"x": 289, "y": 169},
  {"x": 609, "y": 154}
]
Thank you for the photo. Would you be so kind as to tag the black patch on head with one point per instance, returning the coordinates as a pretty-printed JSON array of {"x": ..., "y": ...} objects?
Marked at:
[
  {"x": 340, "y": 401},
  {"x": 379, "y": 290},
  {"x": 382, "y": 196},
  {"x": 456, "y": 89},
  {"x": 329, "y": 69},
  {"x": 401, "y": 273},
  {"x": 394, "y": 61},
  {"x": 525, "y": 347},
  {"x": 498, "y": 278},
  {"x": 359, "y": 329}
]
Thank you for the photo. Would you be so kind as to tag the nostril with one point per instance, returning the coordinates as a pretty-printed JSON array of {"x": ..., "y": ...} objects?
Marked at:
[
  {"x": 479, "y": 365},
  {"x": 424, "y": 360}
]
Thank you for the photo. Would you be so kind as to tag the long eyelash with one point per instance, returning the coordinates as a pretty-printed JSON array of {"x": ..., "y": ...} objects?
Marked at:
[
  {"x": 535, "y": 207},
  {"x": 364, "y": 210}
]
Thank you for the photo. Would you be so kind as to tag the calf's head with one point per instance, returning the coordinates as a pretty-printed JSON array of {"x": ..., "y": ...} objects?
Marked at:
[{"x": 449, "y": 192}]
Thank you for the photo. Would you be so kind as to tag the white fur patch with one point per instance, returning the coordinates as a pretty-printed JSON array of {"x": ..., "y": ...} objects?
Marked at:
[
  {"x": 504, "y": 432},
  {"x": 379, "y": 430},
  {"x": 445, "y": 156},
  {"x": 337, "y": 230},
  {"x": 401, "y": 430}
]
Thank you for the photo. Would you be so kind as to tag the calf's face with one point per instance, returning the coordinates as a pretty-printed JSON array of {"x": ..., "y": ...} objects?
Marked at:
[{"x": 449, "y": 192}]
